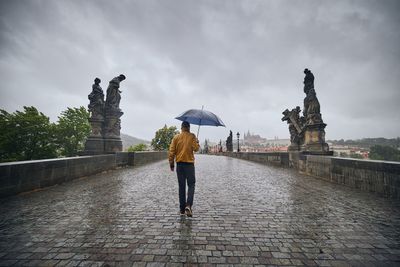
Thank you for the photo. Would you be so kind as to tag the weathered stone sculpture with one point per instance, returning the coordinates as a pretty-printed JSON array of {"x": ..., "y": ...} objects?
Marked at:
[
  {"x": 114, "y": 94},
  {"x": 229, "y": 142},
  {"x": 105, "y": 118},
  {"x": 295, "y": 128},
  {"x": 96, "y": 98},
  {"x": 311, "y": 110},
  {"x": 308, "y": 80},
  {"x": 307, "y": 133},
  {"x": 112, "y": 125},
  {"x": 94, "y": 144}
]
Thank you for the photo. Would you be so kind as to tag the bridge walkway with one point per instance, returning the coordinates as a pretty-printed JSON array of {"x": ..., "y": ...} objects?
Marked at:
[{"x": 245, "y": 213}]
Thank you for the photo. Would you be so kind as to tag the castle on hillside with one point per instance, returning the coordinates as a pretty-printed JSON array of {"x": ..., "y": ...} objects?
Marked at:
[
  {"x": 256, "y": 143},
  {"x": 253, "y": 139}
]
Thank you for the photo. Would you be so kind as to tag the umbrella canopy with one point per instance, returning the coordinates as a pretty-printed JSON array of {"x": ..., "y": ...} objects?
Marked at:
[{"x": 200, "y": 117}]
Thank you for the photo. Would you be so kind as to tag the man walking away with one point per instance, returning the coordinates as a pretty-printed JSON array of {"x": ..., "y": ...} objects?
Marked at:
[{"x": 181, "y": 149}]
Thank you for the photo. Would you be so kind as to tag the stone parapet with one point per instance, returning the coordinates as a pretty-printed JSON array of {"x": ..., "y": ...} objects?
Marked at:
[
  {"x": 381, "y": 177},
  {"x": 24, "y": 176},
  {"x": 275, "y": 158},
  {"x": 143, "y": 157}
]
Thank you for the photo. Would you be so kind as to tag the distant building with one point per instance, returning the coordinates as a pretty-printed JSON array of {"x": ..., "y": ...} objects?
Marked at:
[
  {"x": 253, "y": 139},
  {"x": 346, "y": 151},
  {"x": 256, "y": 143}
]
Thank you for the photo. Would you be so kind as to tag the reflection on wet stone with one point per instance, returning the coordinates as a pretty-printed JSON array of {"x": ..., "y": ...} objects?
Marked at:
[{"x": 245, "y": 213}]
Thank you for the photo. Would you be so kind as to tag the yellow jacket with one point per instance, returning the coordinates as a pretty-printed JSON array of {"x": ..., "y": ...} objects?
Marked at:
[{"x": 182, "y": 147}]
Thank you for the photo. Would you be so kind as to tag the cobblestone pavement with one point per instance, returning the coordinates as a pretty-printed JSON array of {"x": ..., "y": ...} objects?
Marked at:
[{"x": 245, "y": 213}]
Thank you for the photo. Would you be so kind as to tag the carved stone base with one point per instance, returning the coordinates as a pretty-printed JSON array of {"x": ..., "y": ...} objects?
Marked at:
[
  {"x": 94, "y": 145},
  {"x": 96, "y": 126},
  {"x": 112, "y": 145},
  {"x": 112, "y": 125},
  {"x": 314, "y": 138},
  {"x": 324, "y": 147}
]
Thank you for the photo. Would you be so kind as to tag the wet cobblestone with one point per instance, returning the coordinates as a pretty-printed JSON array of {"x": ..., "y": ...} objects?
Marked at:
[{"x": 245, "y": 214}]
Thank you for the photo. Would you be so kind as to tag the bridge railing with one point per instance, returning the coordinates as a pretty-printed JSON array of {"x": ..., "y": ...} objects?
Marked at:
[
  {"x": 275, "y": 158},
  {"x": 381, "y": 177},
  {"x": 23, "y": 176}
]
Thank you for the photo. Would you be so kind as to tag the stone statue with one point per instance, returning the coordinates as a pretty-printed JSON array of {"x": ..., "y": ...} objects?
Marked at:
[
  {"x": 112, "y": 125},
  {"x": 296, "y": 125},
  {"x": 96, "y": 98},
  {"x": 105, "y": 118},
  {"x": 114, "y": 94},
  {"x": 229, "y": 142},
  {"x": 311, "y": 110},
  {"x": 307, "y": 132},
  {"x": 308, "y": 81},
  {"x": 95, "y": 143}
]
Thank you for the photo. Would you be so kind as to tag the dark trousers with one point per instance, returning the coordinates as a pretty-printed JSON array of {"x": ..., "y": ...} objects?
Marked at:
[{"x": 185, "y": 172}]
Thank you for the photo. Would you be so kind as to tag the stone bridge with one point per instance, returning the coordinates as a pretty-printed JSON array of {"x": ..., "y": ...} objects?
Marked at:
[{"x": 245, "y": 213}]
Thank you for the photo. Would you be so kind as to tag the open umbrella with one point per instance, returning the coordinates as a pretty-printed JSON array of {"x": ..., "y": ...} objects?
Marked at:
[{"x": 200, "y": 117}]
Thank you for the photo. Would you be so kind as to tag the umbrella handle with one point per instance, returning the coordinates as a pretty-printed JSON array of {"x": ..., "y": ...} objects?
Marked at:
[{"x": 198, "y": 129}]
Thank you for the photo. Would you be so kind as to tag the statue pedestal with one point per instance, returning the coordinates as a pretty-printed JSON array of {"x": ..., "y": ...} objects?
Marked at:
[
  {"x": 112, "y": 145},
  {"x": 314, "y": 139},
  {"x": 111, "y": 131},
  {"x": 94, "y": 144}
]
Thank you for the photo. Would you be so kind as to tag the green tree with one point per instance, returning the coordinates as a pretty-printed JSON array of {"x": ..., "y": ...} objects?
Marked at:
[
  {"x": 379, "y": 152},
  {"x": 163, "y": 137},
  {"x": 72, "y": 129},
  {"x": 26, "y": 135},
  {"x": 138, "y": 147}
]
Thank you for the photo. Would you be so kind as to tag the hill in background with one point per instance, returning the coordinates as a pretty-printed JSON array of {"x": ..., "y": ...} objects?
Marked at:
[
  {"x": 128, "y": 141},
  {"x": 368, "y": 142}
]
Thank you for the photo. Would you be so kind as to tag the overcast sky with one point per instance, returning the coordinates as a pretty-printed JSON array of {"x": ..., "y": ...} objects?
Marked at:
[{"x": 242, "y": 60}]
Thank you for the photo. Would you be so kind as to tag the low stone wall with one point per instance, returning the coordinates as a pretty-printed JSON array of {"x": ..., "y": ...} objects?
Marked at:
[
  {"x": 23, "y": 176},
  {"x": 380, "y": 177},
  {"x": 275, "y": 158},
  {"x": 141, "y": 158}
]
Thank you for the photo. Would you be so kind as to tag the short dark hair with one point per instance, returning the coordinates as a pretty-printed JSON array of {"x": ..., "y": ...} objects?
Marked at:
[{"x": 185, "y": 124}]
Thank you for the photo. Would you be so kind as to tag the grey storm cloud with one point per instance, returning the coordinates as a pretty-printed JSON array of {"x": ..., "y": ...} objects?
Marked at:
[{"x": 243, "y": 60}]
